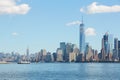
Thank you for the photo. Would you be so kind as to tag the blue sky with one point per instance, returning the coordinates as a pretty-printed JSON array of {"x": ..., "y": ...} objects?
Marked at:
[{"x": 43, "y": 24}]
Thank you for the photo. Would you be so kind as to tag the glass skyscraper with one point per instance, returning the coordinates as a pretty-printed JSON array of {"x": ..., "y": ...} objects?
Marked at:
[
  {"x": 110, "y": 41},
  {"x": 107, "y": 46},
  {"x": 63, "y": 47},
  {"x": 116, "y": 48},
  {"x": 82, "y": 39}
]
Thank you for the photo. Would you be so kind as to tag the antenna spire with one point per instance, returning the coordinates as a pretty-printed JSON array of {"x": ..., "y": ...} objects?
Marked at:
[{"x": 82, "y": 19}]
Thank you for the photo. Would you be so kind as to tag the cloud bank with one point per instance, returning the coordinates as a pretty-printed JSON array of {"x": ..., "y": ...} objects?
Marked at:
[
  {"x": 90, "y": 32},
  {"x": 15, "y": 34},
  {"x": 73, "y": 23},
  {"x": 11, "y": 7},
  {"x": 96, "y": 8}
]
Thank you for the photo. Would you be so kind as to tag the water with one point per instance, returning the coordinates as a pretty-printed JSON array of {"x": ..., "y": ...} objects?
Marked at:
[{"x": 60, "y": 71}]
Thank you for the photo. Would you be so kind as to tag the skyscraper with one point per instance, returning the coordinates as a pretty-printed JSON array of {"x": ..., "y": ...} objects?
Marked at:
[
  {"x": 43, "y": 53},
  {"x": 27, "y": 53},
  {"x": 102, "y": 55},
  {"x": 59, "y": 55},
  {"x": 116, "y": 43},
  {"x": 115, "y": 53},
  {"x": 110, "y": 46},
  {"x": 63, "y": 47},
  {"x": 119, "y": 50},
  {"x": 88, "y": 53},
  {"x": 107, "y": 46},
  {"x": 69, "y": 49},
  {"x": 110, "y": 41},
  {"x": 82, "y": 39}
]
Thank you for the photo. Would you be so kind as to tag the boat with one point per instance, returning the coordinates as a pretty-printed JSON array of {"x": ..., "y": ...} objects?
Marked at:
[
  {"x": 23, "y": 62},
  {"x": 3, "y": 62}
]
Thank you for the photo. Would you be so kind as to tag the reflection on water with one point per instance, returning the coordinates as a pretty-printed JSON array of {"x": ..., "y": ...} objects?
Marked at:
[{"x": 60, "y": 71}]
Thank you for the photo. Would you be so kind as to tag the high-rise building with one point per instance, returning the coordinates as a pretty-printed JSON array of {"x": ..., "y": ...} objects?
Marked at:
[
  {"x": 107, "y": 47},
  {"x": 75, "y": 49},
  {"x": 44, "y": 53},
  {"x": 27, "y": 53},
  {"x": 69, "y": 49},
  {"x": 110, "y": 42},
  {"x": 54, "y": 57},
  {"x": 102, "y": 54},
  {"x": 82, "y": 39},
  {"x": 63, "y": 47},
  {"x": 119, "y": 50},
  {"x": 95, "y": 57},
  {"x": 73, "y": 54},
  {"x": 38, "y": 57},
  {"x": 48, "y": 57},
  {"x": 115, "y": 51},
  {"x": 72, "y": 57},
  {"x": 88, "y": 53},
  {"x": 116, "y": 43},
  {"x": 59, "y": 55}
]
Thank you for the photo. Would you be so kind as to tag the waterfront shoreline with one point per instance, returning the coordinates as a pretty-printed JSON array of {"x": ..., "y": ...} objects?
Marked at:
[{"x": 62, "y": 62}]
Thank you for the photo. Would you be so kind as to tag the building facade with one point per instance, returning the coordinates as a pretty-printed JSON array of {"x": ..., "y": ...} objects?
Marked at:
[{"x": 82, "y": 39}]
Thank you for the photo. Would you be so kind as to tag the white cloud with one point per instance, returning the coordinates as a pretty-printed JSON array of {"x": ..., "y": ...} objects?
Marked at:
[
  {"x": 73, "y": 23},
  {"x": 11, "y": 7},
  {"x": 90, "y": 32},
  {"x": 15, "y": 34},
  {"x": 96, "y": 8}
]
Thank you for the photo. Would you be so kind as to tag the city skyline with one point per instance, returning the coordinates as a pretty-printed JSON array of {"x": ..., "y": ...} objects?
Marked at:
[{"x": 43, "y": 24}]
